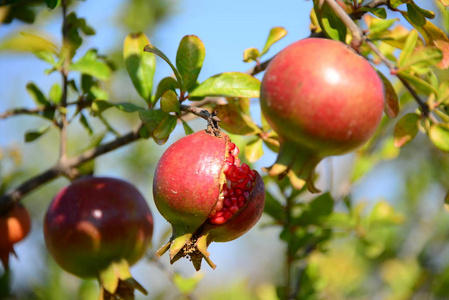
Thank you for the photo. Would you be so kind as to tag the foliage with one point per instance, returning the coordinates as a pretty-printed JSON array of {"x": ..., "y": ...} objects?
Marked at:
[{"x": 336, "y": 246}]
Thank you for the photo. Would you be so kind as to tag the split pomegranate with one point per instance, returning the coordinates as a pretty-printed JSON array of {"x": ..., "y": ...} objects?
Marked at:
[
  {"x": 15, "y": 225},
  {"x": 98, "y": 225},
  {"x": 322, "y": 99},
  {"x": 206, "y": 194}
]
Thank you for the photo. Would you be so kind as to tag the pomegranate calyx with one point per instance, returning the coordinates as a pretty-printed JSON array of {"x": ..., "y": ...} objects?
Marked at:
[{"x": 301, "y": 162}]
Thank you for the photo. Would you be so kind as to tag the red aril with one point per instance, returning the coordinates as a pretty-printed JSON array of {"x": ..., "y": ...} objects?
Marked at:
[
  {"x": 322, "y": 99},
  {"x": 204, "y": 192}
]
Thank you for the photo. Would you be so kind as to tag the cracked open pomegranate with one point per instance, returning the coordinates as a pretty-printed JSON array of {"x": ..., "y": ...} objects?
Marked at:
[
  {"x": 322, "y": 99},
  {"x": 206, "y": 194}
]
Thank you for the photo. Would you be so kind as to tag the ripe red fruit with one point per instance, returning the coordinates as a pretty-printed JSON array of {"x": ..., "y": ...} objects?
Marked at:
[
  {"x": 322, "y": 99},
  {"x": 98, "y": 225},
  {"x": 15, "y": 225},
  {"x": 201, "y": 189}
]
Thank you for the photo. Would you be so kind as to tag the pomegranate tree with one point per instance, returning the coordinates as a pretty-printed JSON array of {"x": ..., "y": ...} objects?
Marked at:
[
  {"x": 206, "y": 194},
  {"x": 97, "y": 227},
  {"x": 322, "y": 99},
  {"x": 15, "y": 225}
]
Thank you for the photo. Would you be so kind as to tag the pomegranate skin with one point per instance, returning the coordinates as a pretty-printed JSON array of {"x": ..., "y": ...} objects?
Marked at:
[
  {"x": 186, "y": 187},
  {"x": 96, "y": 221},
  {"x": 322, "y": 99}
]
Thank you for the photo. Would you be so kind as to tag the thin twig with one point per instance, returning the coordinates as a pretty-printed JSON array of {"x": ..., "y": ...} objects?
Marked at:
[
  {"x": 64, "y": 73},
  {"x": 358, "y": 33}
]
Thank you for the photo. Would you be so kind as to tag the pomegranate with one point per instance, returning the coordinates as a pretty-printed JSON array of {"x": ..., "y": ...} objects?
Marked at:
[
  {"x": 15, "y": 225},
  {"x": 206, "y": 194},
  {"x": 98, "y": 227},
  {"x": 322, "y": 99}
]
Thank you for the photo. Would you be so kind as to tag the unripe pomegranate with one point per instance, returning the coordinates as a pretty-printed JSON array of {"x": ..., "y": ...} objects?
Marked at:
[
  {"x": 322, "y": 99},
  {"x": 15, "y": 225},
  {"x": 204, "y": 192},
  {"x": 98, "y": 225}
]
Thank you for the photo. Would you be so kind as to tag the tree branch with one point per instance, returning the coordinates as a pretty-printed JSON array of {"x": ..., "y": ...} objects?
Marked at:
[
  {"x": 64, "y": 167},
  {"x": 358, "y": 34}
]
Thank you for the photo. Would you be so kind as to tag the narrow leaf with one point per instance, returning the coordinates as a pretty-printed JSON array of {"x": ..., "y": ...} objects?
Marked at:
[
  {"x": 90, "y": 65},
  {"x": 230, "y": 84},
  {"x": 415, "y": 15},
  {"x": 37, "y": 95},
  {"x": 139, "y": 64},
  {"x": 422, "y": 85},
  {"x": 439, "y": 135},
  {"x": 152, "y": 49},
  {"x": 33, "y": 135},
  {"x": 187, "y": 129},
  {"x": 426, "y": 13},
  {"x": 170, "y": 102},
  {"x": 330, "y": 23},
  {"x": 85, "y": 123},
  {"x": 409, "y": 46},
  {"x": 27, "y": 42},
  {"x": 275, "y": 35},
  {"x": 406, "y": 129},
  {"x": 254, "y": 150},
  {"x": 423, "y": 58},
  {"x": 189, "y": 60},
  {"x": 391, "y": 107},
  {"x": 251, "y": 54},
  {"x": 377, "y": 11}
]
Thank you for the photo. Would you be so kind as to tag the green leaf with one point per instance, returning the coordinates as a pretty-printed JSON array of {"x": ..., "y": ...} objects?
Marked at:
[
  {"x": 254, "y": 150},
  {"x": 251, "y": 54},
  {"x": 32, "y": 135},
  {"x": 187, "y": 285},
  {"x": 406, "y": 129},
  {"x": 415, "y": 15},
  {"x": 377, "y": 11},
  {"x": 330, "y": 23},
  {"x": 55, "y": 93},
  {"x": 53, "y": 3},
  {"x": 128, "y": 107},
  {"x": 37, "y": 95},
  {"x": 426, "y": 13},
  {"x": 170, "y": 102},
  {"x": 187, "y": 129},
  {"x": 85, "y": 123},
  {"x": 378, "y": 26},
  {"x": 230, "y": 84},
  {"x": 159, "y": 124},
  {"x": 275, "y": 35},
  {"x": 395, "y": 3},
  {"x": 422, "y": 85},
  {"x": 422, "y": 58},
  {"x": 274, "y": 208},
  {"x": 316, "y": 211},
  {"x": 391, "y": 107},
  {"x": 46, "y": 55},
  {"x": 167, "y": 83},
  {"x": 27, "y": 42},
  {"x": 90, "y": 65},
  {"x": 152, "y": 49},
  {"x": 439, "y": 135},
  {"x": 99, "y": 106},
  {"x": 139, "y": 64},
  {"x": 189, "y": 60},
  {"x": 409, "y": 47}
]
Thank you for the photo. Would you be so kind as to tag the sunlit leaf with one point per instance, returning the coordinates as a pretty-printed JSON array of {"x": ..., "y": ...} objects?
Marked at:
[
  {"x": 55, "y": 93},
  {"x": 391, "y": 107},
  {"x": 330, "y": 23},
  {"x": 170, "y": 102},
  {"x": 444, "y": 47},
  {"x": 275, "y": 35},
  {"x": 189, "y": 60},
  {"x": 167, "y": 83},
  {"x": 139, "y": 64},
  {"x": 187, "y": 285},
  {"x": 254, "y": 150},
  {"x": 422, "y": 85},
  {"x": 439, "y": 135},
  {"x": 422, "y": 58},
  {"x": 251, "y": 54},
  {"x": 99, "y": 106},
  {"x": 90, "y": 64},
  {"x": 444, "y": 2},
  {"x": 377, "y": 11},
  {"x": 230, "y": 84},
  {"x": 410, "y": 45},
  {"x": 406, "y": 129},
  {"x": 27, "y": 42},
  {"x": 235, "y": 121},
  {"x": 152, "y": 49},
  {"x": 376, "y": 25}
]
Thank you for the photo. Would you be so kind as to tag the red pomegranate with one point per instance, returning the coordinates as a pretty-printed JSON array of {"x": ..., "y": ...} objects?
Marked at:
[
  {"x": 15, "y": 225},
  {"x": 322, "y": 99},
  {"x": 96, "y": 222},
  {"x": 204, "y": 192}
]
